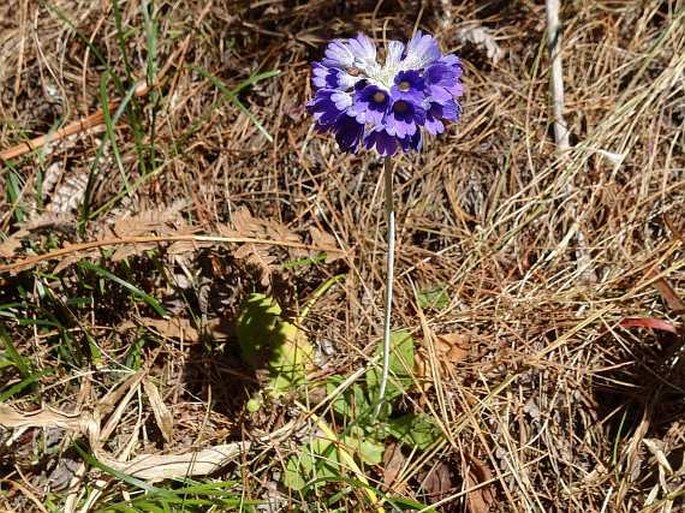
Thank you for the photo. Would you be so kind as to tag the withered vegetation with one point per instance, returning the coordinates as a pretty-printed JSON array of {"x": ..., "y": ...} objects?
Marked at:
[{"x": 175, "y": 175}]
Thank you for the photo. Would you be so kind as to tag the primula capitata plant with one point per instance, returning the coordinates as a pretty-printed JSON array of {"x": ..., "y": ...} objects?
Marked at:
[
  {"x": 328, "y": 457},
  {"x": 385, "y": 107}
]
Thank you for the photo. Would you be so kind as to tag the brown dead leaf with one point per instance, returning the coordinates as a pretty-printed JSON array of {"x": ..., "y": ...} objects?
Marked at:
[
  {"x": 150, "y": 467},
  {"x": 479, "y": 498},
  {"x": 44, "y": 418},
  {"x": 124, "y": 252},
  {"x": 69, "y": 193},
  {"x": 452, "y": 347},
  {"x": 670, "y": 296},
  {"x": 180, "y": 329},
  {"x": 245, "y": 225},
  {"x": 259, "y": 257},
  {"x": 162, "y": 414},
  {"x": 70, "y": 259},
  {"x": 438, "y": 482},
  {"x": 53, "y": 221},
  {"x": 184, "y": 247},
  {"x": 393, "y": 462},
  {"x": 157, "y": 467},
  {"x": 248, "y": 226},
  {"x": 160, "y": 221}
]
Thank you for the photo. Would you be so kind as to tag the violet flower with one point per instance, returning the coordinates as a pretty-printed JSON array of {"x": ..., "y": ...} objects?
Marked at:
[{"x": 386, "y": 107}]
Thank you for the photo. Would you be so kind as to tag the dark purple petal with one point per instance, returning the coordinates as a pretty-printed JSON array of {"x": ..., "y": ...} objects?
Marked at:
[
  {"x": 409, "y": 86},
  {"x": 440, "y": 74},
  {"x": 451, "y": 111},
  {"x": 324, "y": 109},
  {"x": 434, "y": 125},
  {"x": 413, "y": 142},
  {"x": 371, "y": 104},
  {"x": 384, "y": 143},
  {"x": 348, "y": 133},
  {"x": 438, "y": 112},
  {"x": 439, "y": 94},
  {"x": 444, "y": 74},
  {"x": 404, "y": 118}
]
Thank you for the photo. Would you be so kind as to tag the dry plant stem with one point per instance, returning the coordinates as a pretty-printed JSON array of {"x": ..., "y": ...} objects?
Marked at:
[
  {"x": 29, "y": 262},
  {"x": 82, "y": 125},
  {"x": 561, "y": 134},
  {"x": 557, "y": 79},
  {"x": 390, "y": 278}
]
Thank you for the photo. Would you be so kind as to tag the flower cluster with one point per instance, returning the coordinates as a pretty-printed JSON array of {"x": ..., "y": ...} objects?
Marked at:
[{"x": 385, "y": 106}]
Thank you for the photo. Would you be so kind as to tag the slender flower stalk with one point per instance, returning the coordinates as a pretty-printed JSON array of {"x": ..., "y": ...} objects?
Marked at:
[
  {"x": 386, "y": 108},
  {"x": 389, "y": 281}
]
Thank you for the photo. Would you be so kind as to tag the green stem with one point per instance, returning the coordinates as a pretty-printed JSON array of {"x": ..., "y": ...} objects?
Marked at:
[{"x": 390, "y": 278}]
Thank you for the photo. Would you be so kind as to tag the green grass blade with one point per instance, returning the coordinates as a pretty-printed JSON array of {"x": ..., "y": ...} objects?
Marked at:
[
  {"x": 23, "y": 384},
  {"x": 232, "y": 95},
  {"x": 147, "y": 298},
  {"x": 13, "y": 356},
  {"x": 109, "y": 130},
  {"x": 14, "y": 194}
]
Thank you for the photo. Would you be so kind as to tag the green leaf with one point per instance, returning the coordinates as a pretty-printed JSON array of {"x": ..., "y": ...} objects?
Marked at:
[
  {"x": 267, "y": 341},
  {"x": 295, "y": 474},
  {"x": 434, "y": 298},
  {"x": 366, "y": 449},
  {"x": 401, "y": 363},
  {"x": 352, "y": 402},
  {"x": 318, "y": 460},
  {"x": 415, "y": 430},
  {"x": 325, "y": 458},
  {"x": 255, "y": 403}
]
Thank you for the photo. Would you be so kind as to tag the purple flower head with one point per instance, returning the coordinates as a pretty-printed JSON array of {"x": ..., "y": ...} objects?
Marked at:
[{"x": 386, "y": 106}]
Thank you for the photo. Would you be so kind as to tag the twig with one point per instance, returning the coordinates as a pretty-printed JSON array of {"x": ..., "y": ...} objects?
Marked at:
[
  {"x": 75, "y": 127},
  {"x": 557, "y": 80},
  {"x": 32, "y": 261},
  {"x": 561, "y": 137},
  {"x": 78, "y": 126},
  {"x": 389, "y": 273}
]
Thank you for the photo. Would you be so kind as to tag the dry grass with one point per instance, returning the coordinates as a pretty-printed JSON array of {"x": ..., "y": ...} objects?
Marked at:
[{"x": 553, "y": 403}]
